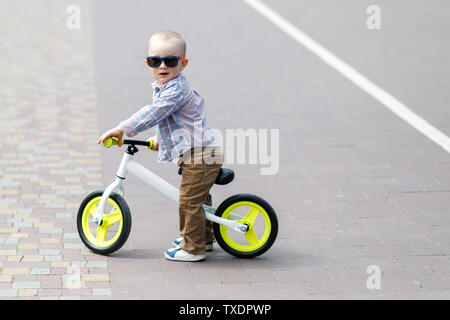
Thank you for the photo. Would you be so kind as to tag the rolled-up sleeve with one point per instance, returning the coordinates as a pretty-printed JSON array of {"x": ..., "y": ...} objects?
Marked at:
[{"x": 170, "y": 100}]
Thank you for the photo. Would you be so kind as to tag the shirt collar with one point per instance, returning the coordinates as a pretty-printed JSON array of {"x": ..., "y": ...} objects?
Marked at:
[{"x": 156, "y": 85}]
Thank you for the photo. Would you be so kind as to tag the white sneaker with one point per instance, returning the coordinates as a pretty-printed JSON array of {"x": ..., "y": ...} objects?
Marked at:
[
  {"x": 208, "y": 245},
  {"x": 178, "y": 254}
]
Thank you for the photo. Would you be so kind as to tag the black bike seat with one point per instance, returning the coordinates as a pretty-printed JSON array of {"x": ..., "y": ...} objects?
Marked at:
[{"x": 225, "y": 176}]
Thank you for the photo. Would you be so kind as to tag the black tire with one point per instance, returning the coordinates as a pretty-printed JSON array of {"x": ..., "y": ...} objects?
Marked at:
[
  {"x": 126, "y": 223},
  {"x": 270, "y": 213}
]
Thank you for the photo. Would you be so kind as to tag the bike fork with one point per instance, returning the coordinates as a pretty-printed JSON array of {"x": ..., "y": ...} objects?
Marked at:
[
  {"x": 117, "y": 184},
  {"x": 101, "y": 206}
]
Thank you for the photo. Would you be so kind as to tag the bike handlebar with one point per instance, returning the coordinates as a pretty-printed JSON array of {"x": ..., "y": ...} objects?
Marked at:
[{"x": 108, "y": 142}]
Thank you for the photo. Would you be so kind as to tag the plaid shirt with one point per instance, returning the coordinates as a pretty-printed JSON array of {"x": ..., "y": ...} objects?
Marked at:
[{"x": 178, "y": 111}]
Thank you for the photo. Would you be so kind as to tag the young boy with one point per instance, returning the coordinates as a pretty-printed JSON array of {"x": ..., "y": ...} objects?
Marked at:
[{"x": 178, "y": 112}]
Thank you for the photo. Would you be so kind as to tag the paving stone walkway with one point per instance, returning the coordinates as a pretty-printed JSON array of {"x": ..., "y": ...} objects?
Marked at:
[{"x": 48, "y": 117}]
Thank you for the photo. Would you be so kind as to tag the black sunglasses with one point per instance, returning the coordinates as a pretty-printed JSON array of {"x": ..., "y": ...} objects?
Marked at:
[{"x": 169, "y": 61}]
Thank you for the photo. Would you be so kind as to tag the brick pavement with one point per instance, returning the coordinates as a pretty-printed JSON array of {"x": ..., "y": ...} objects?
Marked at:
[{"x": 48, "y": 117}]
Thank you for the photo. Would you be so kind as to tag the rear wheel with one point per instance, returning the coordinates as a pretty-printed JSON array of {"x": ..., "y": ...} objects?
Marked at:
[
  {"x": 112, "y": 234},
  {"x": 262, "y": 226}
]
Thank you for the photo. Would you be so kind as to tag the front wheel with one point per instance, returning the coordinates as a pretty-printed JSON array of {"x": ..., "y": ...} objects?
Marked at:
[
  {"x": 262, "y": 226},
  {"x": 112, "y": 234}
]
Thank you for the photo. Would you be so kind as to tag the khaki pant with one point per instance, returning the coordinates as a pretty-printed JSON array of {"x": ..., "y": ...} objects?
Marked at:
[{"x": 198, "y": 176}]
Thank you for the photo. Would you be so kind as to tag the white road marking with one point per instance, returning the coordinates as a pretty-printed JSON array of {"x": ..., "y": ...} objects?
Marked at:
[{"x": 393, "y": 104}]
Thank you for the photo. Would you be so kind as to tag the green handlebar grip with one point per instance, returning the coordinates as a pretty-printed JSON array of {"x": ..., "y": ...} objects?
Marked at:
[
  {"x": 151, "y": 144},
  {"x": 108, "y": 142}
]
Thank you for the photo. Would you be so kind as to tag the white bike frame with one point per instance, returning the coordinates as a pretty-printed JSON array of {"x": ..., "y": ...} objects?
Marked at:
[{"x": 129, "y": 165}]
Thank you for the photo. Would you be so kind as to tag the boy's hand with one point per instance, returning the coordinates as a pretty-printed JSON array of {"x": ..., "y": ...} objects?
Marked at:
[
  {"x": 155, "y": 143},
  {"x": 115, "y": 132}
]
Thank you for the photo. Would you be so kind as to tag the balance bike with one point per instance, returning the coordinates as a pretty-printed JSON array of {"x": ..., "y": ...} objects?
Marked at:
[{"x": 244, "y": 225}]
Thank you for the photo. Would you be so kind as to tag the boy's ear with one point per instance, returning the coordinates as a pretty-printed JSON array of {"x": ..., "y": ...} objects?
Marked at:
[{"x": 184, "y": 63}]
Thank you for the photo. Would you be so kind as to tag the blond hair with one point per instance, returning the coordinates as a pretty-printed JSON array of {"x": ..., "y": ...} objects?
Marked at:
[{"x": 170, "y": 35}]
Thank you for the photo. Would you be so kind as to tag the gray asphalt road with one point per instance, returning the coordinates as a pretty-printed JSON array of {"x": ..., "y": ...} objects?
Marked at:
[{"x": 356, "y": 185}]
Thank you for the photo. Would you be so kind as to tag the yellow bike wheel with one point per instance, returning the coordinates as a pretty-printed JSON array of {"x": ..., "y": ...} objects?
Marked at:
[
  {"x": 260, "y": 218},
  {"x": 115, "y": 227}
]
